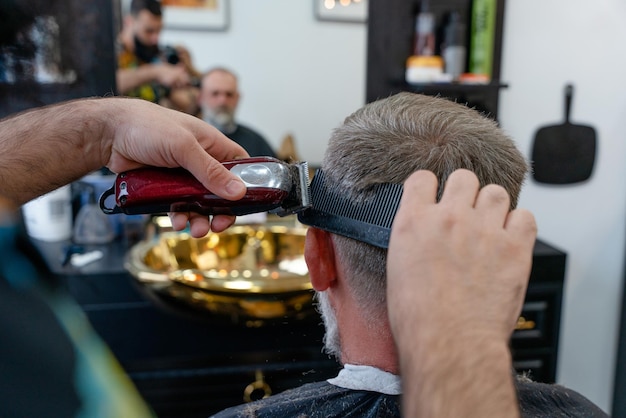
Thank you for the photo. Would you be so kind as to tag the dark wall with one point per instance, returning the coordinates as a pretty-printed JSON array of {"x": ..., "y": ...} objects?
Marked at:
[{"x": 55, "y": 50}]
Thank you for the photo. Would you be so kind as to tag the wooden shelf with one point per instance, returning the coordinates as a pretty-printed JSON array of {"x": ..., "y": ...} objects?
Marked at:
[{"x": 449, "y": 88}]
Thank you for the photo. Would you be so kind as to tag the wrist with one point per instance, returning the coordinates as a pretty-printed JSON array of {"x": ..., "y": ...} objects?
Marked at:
[
  {"x": 439, "y": 352},
  {"x": 476, "y": 371},
  {"x": 97, "y": 135},
  {"x": 442, "y": 341}
]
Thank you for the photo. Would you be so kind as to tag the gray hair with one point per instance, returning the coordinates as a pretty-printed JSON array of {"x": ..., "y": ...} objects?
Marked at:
[
  {"x": 387, "y": 140},
  {"x": 332, "y": 339},
  {"x": 220, "y": 70}
]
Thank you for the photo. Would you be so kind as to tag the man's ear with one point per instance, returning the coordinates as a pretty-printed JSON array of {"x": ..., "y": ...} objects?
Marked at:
[{"x": 319, "y": 254}]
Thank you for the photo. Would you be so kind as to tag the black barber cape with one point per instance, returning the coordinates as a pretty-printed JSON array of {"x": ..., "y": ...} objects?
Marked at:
[
  {"x": 326, "y": 400},
  {"x": 319, "y": 400}
]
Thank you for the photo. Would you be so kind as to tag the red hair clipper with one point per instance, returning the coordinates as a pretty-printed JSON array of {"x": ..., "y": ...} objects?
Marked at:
[{"x": 272, "y": 185}]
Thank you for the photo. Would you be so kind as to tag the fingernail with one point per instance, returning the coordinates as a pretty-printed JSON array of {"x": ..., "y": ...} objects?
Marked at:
[{"x": 235, "y": 187}]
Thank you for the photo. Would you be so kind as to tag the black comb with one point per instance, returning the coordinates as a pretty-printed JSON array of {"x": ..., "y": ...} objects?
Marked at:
[{"x": 369, "y": 221}]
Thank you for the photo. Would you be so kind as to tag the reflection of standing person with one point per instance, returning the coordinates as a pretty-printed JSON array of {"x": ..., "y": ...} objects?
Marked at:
[
  {"x": 142, "y": 70},
  {"x": 219, "y": 97}
]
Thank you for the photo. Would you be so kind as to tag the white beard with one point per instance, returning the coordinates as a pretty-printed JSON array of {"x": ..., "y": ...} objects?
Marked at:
[
  {"x": 221, "y": 118},
  {"x": 332, "y": 343}
]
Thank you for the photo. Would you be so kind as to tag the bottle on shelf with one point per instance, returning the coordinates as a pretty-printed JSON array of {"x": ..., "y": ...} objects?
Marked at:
[
  {"x": 424, "y": 34},
  {"x": 483, "y": 30},
  {"x": 424, "y": 66},
  {"x": 454, "y": 51}
]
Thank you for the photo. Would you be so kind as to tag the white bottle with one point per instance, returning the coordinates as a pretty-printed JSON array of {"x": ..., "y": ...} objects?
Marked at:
[
  {"x": 49, "y": 217},
  {"x": 91, "y": 225}
]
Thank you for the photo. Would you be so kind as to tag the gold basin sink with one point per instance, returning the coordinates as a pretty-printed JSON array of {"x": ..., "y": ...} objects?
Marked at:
[{"x": 246, "y": 273}]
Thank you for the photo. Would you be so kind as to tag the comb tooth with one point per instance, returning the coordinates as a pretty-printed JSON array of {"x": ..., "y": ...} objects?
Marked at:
[
  {"x": 380, "y": 210},
  {"x": 369, "y": 221},
  {"x": 391, "y": 198}
]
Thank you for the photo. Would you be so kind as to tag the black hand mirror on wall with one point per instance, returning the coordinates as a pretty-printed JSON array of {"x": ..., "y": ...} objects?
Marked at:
[{"x": 564, "y": 153}]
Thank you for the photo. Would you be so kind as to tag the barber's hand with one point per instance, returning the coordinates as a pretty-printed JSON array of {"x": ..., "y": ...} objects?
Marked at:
[
  {"x": 173, "y": 76},
  {"x": 459, "y": 266},
  {"x": 457, "y": 272},
  {"x": 141, "y": 133}
]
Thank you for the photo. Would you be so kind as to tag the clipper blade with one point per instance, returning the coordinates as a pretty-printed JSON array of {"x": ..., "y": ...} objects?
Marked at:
[{"x": 299, "y": 197}]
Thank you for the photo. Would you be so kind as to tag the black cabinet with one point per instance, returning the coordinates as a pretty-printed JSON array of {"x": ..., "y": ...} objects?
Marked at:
[
  {"x": 186, "y": 366},
  {"x": 183, "y": 364},
  {"x": 535, "y": 342}
]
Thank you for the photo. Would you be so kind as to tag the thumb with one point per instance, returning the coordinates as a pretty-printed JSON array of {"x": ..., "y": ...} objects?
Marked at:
[{"x": 215, "y": 177}]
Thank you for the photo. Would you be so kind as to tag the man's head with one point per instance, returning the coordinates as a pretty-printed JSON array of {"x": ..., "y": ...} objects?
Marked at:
[
  {"x": 145, "y": 23},
  {"x": 218, "y": 99},
  {"x": 386, "y": 141}
]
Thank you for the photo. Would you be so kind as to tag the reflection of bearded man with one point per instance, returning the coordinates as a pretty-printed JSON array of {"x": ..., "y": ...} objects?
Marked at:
[
  {"x": 146, "y": 53},
  {"x": 221, "y": 117},
  {"x": 332, "y": 344}
]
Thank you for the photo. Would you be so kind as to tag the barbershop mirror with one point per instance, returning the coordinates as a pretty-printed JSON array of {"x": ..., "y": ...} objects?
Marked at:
[{"x": 298, "y": 75}]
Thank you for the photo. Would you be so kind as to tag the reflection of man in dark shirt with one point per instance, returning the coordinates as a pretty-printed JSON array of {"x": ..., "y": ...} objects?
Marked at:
[
  {"x": 147, "y": 71},
  {"x": 219, "y": 97}
]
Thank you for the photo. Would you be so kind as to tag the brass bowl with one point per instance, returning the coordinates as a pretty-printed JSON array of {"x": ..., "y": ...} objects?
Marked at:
[{"x": 247, "y": 273}]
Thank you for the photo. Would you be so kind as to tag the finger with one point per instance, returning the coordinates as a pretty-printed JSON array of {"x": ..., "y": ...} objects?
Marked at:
[
  {"x": 493, "y": 203},
  {"x": 522, "y": 224},
  {"x": 420, "y": 188},
  {"x": 221, "y": 222},
  {"x": 199, "y": 225},
  {"x": 205, "y": 164},
  {"x": 461, "y": 188},
  {"x": 216, "y": 178},
  {"x": 420, "y": 191},
  {"x": 179, "y": 220}
]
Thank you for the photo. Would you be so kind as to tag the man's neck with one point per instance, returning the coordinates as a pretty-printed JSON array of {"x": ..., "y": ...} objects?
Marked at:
[
  {"x": 369, "y": 347},
  {"x": 364, "y": 341}
]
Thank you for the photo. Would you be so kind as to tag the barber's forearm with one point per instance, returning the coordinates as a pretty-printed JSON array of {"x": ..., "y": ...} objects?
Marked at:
[
  {"x": 469, "y": 377},
  {"x": 45, "y": 148}
]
